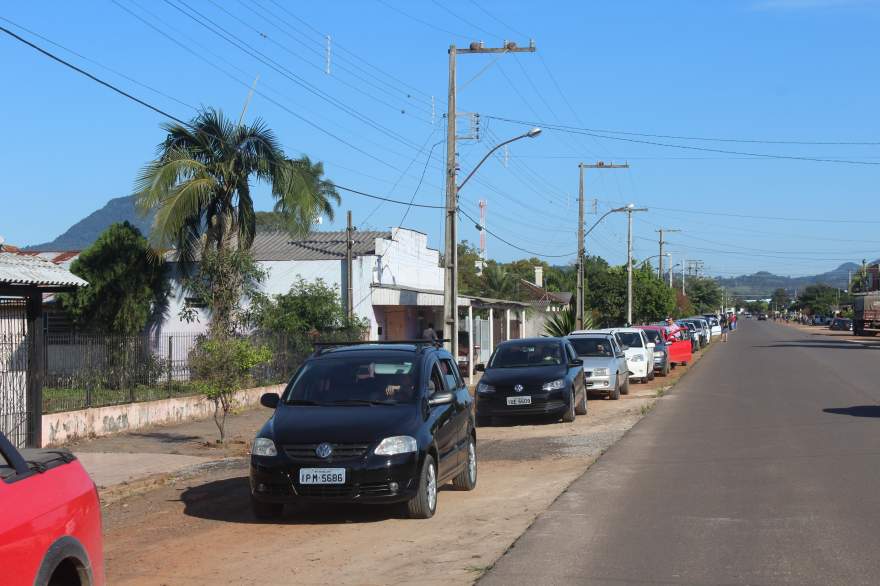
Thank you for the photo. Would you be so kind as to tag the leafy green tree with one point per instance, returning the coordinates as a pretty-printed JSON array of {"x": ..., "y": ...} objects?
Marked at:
[
  {"x": 225, "y": 279},
  {"x": 307, "y": 310},
  {"x": 128, "y": 283},
  {"x": 469, "y": 281},
  {"x": 200, "y": 185},
  {"x": 653, "y": 300},
  {"x": 821, "y": 299},
  {"x": 780, "y": 299},
  {"x": 222, "y": 367},
  {"x": 561, "y": 279},
  {"x": 704, "y": 293}
]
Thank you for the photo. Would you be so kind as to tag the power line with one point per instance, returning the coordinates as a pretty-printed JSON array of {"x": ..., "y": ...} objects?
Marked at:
[
  {"x": 353, "y": 54},
  {"x": 424, "y": 22},
  {"x": 469, "y": 217},
  {"x": 717, "y": 139},
  {"x": 558, "y": 128},
  {"x": 181, "y": 122},
  {"x": 90, "y": 76}
]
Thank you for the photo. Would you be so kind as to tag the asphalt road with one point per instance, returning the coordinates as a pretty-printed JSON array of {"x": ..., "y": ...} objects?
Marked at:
[{"x": 762, "y": 467}]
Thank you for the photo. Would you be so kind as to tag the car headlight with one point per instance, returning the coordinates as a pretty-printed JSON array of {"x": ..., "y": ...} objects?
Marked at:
[
  {"x": 398, "y": 444},
  {"x": 638, "y": 358},
  {"x": 553, "y": 385},
  {"x": 600, "y": 372},
  {"x": 263, "y": 446},
  {"x": 485, "y": 389},
  {"x": 658, "y": 354}
]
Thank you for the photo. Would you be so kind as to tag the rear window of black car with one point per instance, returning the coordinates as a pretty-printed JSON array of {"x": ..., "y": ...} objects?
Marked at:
[
  {"x": 518, "y": 354},
  {"x": 592, "y": 346},
  {"x": 355, "y": 378}
]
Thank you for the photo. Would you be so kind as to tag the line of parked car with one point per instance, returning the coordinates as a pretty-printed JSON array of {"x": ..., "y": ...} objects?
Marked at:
[{"x": 392, "y": 422}]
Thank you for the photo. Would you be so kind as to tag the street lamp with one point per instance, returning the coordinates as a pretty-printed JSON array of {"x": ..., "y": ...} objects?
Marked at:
[
  {"x": 530, "y": 134},
  {"x": 450, "y": 288},
  {"x": 579, "y": 309}
]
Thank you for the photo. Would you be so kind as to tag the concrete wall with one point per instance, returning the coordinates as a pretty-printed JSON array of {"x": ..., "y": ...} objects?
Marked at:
[{"x": 61, "y": 428}]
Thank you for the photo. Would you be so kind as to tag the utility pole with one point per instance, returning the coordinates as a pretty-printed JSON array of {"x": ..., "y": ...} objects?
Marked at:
[
  {"x": 629, "y": 262},
  {"x": 662, "y": 242},
  {"x": 579, "y": 309},
  {"x": 349, "y": 258},
  {"x": 450, "y": 281}
]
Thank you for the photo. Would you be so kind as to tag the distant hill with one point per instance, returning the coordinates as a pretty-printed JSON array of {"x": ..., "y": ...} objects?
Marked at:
[
  {"x": 762, "y": 283},
  {"x": 86, "y": 231}
]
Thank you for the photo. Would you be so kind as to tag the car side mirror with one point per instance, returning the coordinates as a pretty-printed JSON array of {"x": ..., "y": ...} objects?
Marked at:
[
  {"x": 577, "y": 362},
  {"x": 270, "y": 400},
  {"x": 440, "y": 399},
  {"x": 480, "y": 367}
]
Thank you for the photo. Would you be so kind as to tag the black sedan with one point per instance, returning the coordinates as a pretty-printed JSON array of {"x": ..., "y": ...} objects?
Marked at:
[
  {"x": 534, "y": 376},
  {"x": 367, "y": 423}
]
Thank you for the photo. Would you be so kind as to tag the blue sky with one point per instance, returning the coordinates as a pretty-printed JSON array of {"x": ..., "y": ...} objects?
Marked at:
[{"x": 763, "y": 70}]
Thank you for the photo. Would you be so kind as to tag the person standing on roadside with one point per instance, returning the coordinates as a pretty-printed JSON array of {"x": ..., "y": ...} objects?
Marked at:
[
  {"x": 725, "y": 327},
  {"x": 429, "y": 333}
]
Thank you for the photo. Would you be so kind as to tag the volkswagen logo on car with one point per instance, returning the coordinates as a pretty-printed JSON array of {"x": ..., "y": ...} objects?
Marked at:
[
  {"x": 518, "y": 388},
  {"x": 324, "y": 450}
]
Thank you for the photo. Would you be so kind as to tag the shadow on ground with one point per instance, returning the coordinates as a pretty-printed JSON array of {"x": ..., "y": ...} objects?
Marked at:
[
  {"x": 856, "y": 411},
  {"x": 228, "y": 500},
  {"x": 167, "y": 437},
  {"x": 828, "y": 344}
]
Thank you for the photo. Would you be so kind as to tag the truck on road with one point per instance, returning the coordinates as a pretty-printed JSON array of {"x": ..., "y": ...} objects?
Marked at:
[
  {"x": 866, "y": 304},
  {"x": 866, "y": 313}
]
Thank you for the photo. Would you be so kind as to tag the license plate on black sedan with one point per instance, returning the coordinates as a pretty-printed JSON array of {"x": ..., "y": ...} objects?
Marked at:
[
  {"x": 322, "y": 476},
  {"x": 526, "y": 400}
]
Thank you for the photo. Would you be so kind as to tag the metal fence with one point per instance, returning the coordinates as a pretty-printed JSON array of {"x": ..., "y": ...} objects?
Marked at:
[
  {"x": 94, "y": 370},
  {"x": 14, "y": 345}
]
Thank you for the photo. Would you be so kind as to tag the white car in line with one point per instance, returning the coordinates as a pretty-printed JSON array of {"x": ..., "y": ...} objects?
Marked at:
[
  {"x": 714, "y": 324},
  {"x": 638, "y": 350}
]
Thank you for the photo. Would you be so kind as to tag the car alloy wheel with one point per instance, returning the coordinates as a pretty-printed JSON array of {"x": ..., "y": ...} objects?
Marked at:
[
  {"x": 570, "y": 413},
  {"x": 472, "y": 463},
  {"x": 431, "y": 486},
  {"x": 467, "y": 478}
]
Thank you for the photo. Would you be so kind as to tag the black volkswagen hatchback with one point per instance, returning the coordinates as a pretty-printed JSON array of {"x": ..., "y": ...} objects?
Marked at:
[
  {"x": 532, "y": 376},
  {"x": 366, "y": 423}
]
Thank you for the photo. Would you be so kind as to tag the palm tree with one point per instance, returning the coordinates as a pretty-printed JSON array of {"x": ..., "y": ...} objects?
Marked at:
[
  {"x": 562, "y": 323},
  {"x": 200, "y": 185},
  {"x": 498, "y": 282}
]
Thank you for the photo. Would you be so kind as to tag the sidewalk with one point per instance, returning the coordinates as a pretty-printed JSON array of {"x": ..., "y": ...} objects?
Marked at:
[{"x": 118, "y": 460}]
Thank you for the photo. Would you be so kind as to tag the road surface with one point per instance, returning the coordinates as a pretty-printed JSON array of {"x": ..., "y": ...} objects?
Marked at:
[{"x": 763, "y": 467}]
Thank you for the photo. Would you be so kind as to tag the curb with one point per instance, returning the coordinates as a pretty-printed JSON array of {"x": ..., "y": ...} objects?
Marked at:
[{"x": 137, "y": 486}]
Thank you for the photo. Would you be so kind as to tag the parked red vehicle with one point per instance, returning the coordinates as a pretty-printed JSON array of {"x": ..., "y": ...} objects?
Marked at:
[
  {"x": 679, "y": 349},
  {"x": 50, "y": 520}
]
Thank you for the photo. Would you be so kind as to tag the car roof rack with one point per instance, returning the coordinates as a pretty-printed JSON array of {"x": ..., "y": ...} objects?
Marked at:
[{"x": 321, "y": 347}]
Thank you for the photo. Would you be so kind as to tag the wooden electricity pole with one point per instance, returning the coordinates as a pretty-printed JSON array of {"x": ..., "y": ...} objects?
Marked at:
[
  {"x": 662, "y": 242},
  {"x": 450, "y": 248},
  {"x": 349, "y": 258},
  {"x": 579, "y": 301}
]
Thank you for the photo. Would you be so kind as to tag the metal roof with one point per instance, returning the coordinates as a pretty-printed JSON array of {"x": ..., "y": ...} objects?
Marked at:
[
  {"x": 18, "y": 269},
  {"x": 314, "y": 246}
]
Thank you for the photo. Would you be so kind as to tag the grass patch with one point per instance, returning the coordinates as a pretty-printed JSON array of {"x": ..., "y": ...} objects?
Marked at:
[
  {"x": 646, "y": 408},
  {"x": 61, "y": 399}
]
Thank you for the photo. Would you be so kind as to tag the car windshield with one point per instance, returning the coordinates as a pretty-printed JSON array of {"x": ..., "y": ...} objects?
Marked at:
[
  {"x": 631, "y": 339},
  {"x": 353, "y": 379},
  {"x": 519, "y": 354},
  {"x": 653, "y": 336},
  {"x": 591, "y": 346}
]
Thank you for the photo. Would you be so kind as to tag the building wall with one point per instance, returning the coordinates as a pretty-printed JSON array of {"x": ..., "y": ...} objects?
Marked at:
[{"x": 403, "y": 261}]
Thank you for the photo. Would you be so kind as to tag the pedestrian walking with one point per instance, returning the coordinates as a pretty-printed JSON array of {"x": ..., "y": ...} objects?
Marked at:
[{"x": 725, "y": 327}]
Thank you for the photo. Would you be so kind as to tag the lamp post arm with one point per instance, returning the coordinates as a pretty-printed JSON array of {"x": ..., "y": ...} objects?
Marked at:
[{"x": 487, "y": 155}]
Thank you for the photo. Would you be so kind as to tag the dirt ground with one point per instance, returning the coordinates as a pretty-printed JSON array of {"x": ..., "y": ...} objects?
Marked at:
[{"x": 199, "y": 530}]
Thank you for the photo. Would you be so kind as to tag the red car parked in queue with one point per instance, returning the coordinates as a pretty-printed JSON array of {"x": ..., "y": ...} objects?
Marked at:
[
  {"x": 679, "y": 349},
  {"x": 50, "y": 520}
]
